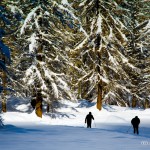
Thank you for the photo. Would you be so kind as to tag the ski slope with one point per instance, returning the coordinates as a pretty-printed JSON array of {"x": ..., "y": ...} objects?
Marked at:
[{"x": 66, "y": 130}]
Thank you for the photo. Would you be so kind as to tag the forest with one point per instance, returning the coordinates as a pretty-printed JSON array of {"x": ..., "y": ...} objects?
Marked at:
[{"x": 97, "y": 50}]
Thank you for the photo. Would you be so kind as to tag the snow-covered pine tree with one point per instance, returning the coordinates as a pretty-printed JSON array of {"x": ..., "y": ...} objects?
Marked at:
[
  {"x": 102, "y": 52},
  {"x": 46, "y": 36},
  {"x": 136, "y": 20},
  {"x": 8, "y": 25},
  {"x": 14, "y": 44}
]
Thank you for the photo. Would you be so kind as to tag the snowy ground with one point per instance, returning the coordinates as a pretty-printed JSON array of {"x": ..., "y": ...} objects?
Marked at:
[{"x": 66, "y": 130}]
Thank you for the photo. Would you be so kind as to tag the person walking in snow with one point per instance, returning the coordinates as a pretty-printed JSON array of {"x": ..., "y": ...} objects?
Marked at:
[
  {"x": 135, "y": 123},
  {"x": 88, "y": 119}
]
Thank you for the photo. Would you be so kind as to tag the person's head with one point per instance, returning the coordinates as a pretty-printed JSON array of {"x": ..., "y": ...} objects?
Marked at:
[
  {"x": 136, "y": 116},
  {"x": 90, "y": 113}
]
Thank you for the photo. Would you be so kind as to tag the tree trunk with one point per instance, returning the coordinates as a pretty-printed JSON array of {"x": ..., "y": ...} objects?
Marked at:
[
  {"x": 4, "y": 81},
  {"x": 79, "y": 90},
  {"x": 134, "y": 102},
  {"x": 39, "y": 99},
  {"x": 38, "y": 106},
  {"x": 48, "y": 107},
  {"x": 99, "y": 90},
  {"x": 4, "y": 109},
  {"x": 99, "y": 97},
  {"x": 146, "y": 104}
]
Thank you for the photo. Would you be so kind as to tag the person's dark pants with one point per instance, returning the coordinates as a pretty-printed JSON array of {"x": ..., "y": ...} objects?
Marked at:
[
  {"x": 88, "y": 124},
  {"x": 136, "y": 129}
]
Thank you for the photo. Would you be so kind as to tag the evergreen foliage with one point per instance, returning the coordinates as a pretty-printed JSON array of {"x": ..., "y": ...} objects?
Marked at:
[
  {"x": 8, "y": 25},
  {"x": 68, "y": 49},
  {"x": 136, "y": 20},
  {"x": 100, "y": 51},
  {"x": 46, "y": 36}
]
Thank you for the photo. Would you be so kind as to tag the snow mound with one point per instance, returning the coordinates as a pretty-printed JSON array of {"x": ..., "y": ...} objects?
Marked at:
[
  {"x": 85, "y": 103},
  {"x": 15, "y": 104}
]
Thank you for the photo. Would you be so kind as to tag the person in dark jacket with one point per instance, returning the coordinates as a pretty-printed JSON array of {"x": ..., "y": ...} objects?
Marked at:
[
  {"x": 135, "y": 122},
  {"x": 88, "y": 119}
]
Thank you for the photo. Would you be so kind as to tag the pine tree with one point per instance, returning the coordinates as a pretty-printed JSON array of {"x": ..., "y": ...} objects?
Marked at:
[
  {"x": 136, "y": 20},
  {"x": 7, "y": 27},
  {"x": 91, "y": 50},
  {"x": 46, "y": 36},
  {"x": 103, "y": 53}
]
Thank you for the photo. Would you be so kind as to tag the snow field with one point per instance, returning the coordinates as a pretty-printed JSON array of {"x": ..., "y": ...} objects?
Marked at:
[{"x": 67, "y": 130}]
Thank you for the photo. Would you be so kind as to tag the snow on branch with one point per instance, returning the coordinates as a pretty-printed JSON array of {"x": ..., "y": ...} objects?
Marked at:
[
  {"x": 29, "y": 75},
  {"x": 33, "y": 45},
  {"x": 99, "y": 24},
  {"x": 14, "y": 9},
  {"x": 65, "y": 2},
  {"x": 81, "y": 44},
  {"x": 112, "y": 59},
  {"x": 28, "y": 19},
  {"x": 67, "y": 17},
  {"x": 108, "y": 95},
  {"x": 88, "y": 74},
  {"x": 148, "y": 25},
  {"x": 122, "y": 88},
  {"x": 105, "y": 80},
  {"x": 145, "y": 25}
]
